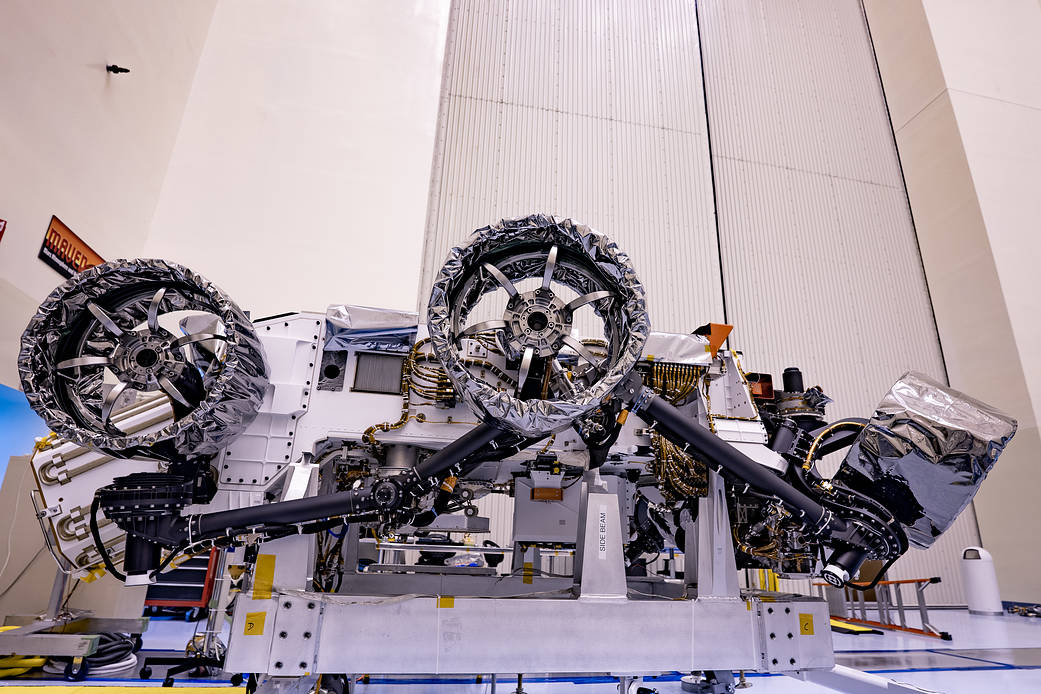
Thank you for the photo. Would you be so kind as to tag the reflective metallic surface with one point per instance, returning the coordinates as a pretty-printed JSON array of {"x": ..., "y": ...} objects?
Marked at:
[
  {"x": 629, "y": 324},
  {"x": 925, "y": 452},
  {"x": 91, "y": 312},
  {"x": 364, "y": 327}
]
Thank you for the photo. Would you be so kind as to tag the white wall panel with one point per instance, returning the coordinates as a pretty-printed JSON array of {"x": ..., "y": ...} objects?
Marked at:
[
  {"x": 587, "y": 110},
  {"x": 820, "y": 262}
]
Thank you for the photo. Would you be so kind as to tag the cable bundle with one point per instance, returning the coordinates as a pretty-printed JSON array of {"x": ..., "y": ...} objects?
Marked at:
[{"x": 116, "y": 652}]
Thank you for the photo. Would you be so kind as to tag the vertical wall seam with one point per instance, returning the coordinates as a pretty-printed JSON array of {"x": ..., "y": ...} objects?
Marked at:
[
  {"x": 907, "y": 196},
  {"x": 711, "y": 160}
]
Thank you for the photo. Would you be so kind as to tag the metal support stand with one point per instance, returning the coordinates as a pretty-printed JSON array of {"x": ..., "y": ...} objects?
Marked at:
[
  {"x": 62, "y": 633},
  {"x": 713, "y": 682},
  {"x": 520, "y": 684},
  {"x": 61, "y": 582},
  {"x": 710, "y": 551},
  {"x": 599, "y": 559}
]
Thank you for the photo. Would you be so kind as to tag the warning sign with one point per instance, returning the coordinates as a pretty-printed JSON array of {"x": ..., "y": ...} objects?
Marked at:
[{"x": 66, "y": 252}]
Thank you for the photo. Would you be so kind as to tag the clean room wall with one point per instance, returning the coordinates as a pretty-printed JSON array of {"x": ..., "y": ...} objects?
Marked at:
[
  {"x": 587, "y": 110},
  {"x": 79, "y": 143},
  {"x": 301, "y": 173},
  {"x": 965, "y": 93},
  {"x": 820, "y": 259}
]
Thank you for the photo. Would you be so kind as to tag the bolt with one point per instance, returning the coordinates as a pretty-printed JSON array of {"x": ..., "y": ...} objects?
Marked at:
[
  {"x": 774, "y": 661},
  {"x": 770, "y": 610},
  {"x": 303, "y": 665},
  {"x": 307, "y": 634},
  {"x": 773, "y": 636},
  {"x": 792, "y": 661},
  {"x": 278, "y": 665},
  {"x": 310, "y": 605},
  {"x": 283, "y": 634},
  {"x": 287, "y": 604},
  {"x": 790, "y": 635},
  {"x": 787, "y": 610}
]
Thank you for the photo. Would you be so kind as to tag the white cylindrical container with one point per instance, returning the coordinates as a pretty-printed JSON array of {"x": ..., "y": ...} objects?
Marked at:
[{"x": 980, "y": 581}]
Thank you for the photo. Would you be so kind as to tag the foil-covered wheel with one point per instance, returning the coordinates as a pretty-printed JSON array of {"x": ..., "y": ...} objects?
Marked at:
[
  {"x": 546, "y": 271},
  {"x": 121, "y": 329}
]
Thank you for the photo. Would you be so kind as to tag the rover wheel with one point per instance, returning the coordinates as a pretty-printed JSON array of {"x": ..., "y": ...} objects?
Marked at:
[
  {"x": 525, "y": 284},
  {"x": 128, "y": 331}
]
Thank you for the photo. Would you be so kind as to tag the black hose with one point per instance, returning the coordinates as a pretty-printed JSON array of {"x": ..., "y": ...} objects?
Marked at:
[{"x": 95, "y": 533}]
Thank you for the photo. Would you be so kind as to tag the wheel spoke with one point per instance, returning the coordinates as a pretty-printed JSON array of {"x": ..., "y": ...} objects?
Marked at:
[
  {"x": 483, "y": 327},
  {"x": 587, "y": 298},
  {"x": 195, "y": 337},
  {"x": 170, "y": 389},
  {"x": 104, "y": 319},
  {"x": 83, "y": 361},
  {"x": 502, "y": 279},
  {"x": 525, "y": 367},
  {"x": 153, "y": 310},
  {"x": 551, "y": 265},
  {"x": 582, "y": 351},
  {"x": 110, "y": 401}
]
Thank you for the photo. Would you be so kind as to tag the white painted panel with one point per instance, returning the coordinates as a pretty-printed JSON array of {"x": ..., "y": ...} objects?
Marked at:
[
  {"x": 304, "y": 153},
  {"x": 586, "y": 110},
  {"x": 820, "y": 261}
]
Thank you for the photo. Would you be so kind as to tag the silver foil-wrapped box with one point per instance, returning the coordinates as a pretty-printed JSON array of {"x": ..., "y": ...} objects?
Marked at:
[{"x": 924, "y": 454}]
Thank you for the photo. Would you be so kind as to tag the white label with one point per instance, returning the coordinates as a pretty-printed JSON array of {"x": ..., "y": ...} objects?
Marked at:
[{"x": 602, "y": 535}]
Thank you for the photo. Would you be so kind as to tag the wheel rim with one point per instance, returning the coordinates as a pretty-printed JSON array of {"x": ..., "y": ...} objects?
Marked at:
[
  {"x": 130, "y": 328},
  {"x": 534, "y": 329}
]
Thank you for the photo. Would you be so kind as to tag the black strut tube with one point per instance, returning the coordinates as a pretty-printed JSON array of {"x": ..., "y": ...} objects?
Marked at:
[
  {"x": 350, "y": 502},
  {"x": 312, "y": 508},
  {"x": 463, "y": 447},
  {"x": 716, "y": 452}
]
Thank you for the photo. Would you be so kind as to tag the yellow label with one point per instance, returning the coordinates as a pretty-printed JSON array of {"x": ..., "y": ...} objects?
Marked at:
[
  {"x": 528, "y": 572},
  {"x": 264, "y": 577},
  {"x": 805, "y": 624},
  {"x": 445, "y": 601},
  {"x": 254, "y": 623}
]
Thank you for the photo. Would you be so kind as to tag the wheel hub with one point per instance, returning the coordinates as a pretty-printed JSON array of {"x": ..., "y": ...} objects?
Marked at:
[
  {"x": 537, "y": 319},
  {"x": 141, "y": 358}
]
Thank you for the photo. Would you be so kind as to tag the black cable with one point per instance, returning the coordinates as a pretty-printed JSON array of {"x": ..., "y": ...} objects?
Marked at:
[
  {"x": 169, "y": 558},
  {"x": 102, "y": 550}
]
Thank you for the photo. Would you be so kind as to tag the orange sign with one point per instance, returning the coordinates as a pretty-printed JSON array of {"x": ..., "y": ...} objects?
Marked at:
[{"x": 66, "y": 252}]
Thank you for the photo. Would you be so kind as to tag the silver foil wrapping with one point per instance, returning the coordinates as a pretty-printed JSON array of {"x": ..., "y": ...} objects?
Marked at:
[
  {"x": 536, "y": 418},
  {"x": 234, "y": 392},
  {"x": 925, "y": 453},
  {"x": 363, "y": 327}
]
